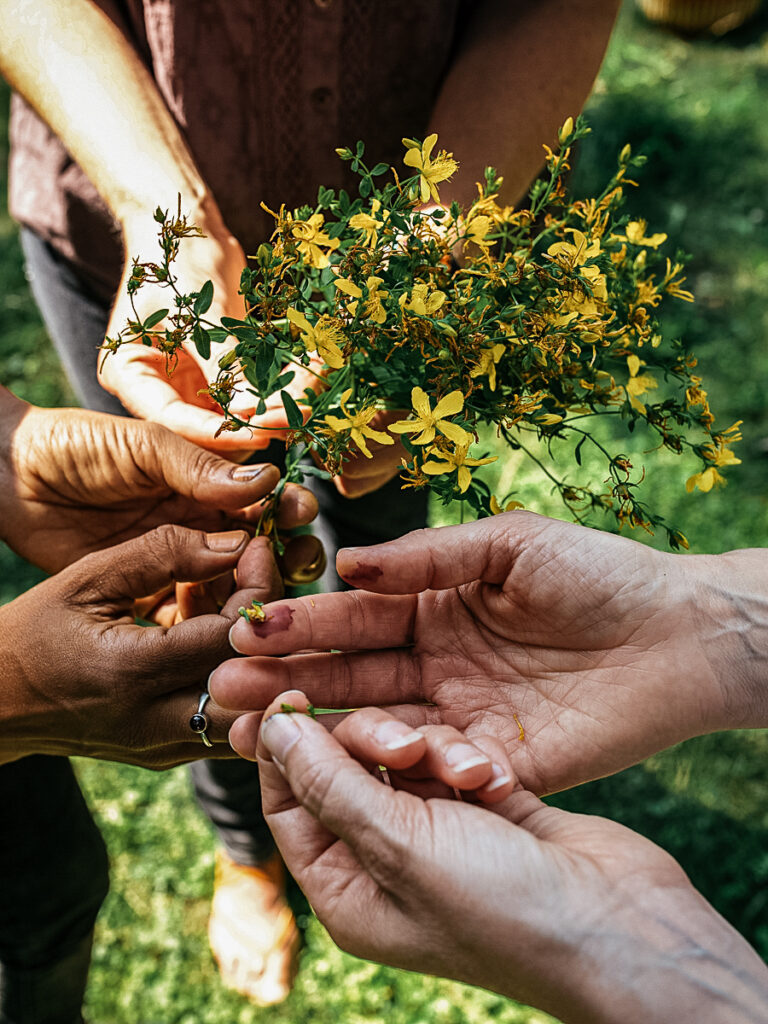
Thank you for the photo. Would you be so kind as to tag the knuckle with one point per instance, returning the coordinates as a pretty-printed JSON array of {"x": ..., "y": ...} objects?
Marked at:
[{"x": 313, "y": 785}]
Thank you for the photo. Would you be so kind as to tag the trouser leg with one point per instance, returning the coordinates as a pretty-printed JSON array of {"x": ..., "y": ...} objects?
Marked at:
[
  {"x": 76, "y": 320},
  {"x": 54, "y": 875}
]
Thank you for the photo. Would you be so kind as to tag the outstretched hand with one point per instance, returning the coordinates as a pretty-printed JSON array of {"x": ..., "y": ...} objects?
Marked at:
[
  {"x": 75, "y": 481},
  {"x": 138, "y": 375},
  {"x": 580, "y": 651},
  {"x": 569, "y": 913},
  {"x": 81, "y": 678}
]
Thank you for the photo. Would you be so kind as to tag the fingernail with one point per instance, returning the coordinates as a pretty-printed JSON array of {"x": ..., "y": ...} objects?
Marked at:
[
  {"x": 461, "y": 757},
  {"x": 229, "y": 541},
  {"x": 279, "y": 733},
  {"x": 396, "y": 735},
  {"x": 244, "y": 474},
  {"x": 500, "y": 778},
  {"x": 232, "y": 643}
]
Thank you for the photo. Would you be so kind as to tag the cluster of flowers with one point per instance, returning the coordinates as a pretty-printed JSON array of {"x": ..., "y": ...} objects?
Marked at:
[{"x": 422, "y": 322}]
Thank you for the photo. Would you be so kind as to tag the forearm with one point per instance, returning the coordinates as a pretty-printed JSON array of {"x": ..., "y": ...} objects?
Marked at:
[
  {"x": 73, "y": 64},
  {"x": 521, "y": 70},
  {"x": 666, "y": 955},
  {"x": 729, "y": 599}
]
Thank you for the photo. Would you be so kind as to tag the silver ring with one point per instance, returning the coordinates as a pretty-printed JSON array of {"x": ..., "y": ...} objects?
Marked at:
[{"x": 198, "y": 723}]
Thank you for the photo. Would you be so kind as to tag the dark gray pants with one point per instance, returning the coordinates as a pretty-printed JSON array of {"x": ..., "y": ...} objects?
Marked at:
[{"x": 53, "y": 863}]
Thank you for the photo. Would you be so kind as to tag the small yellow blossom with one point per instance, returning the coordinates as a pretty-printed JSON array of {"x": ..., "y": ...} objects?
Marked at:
[
  {"x": 324, "y": 337},
  {"x": 476, "y": 228},
  {"x": 422, "y": 300},
  {"x": 430, "y": 171},
  {"x": 705, "y": 481},
  {"x": 496, "y": 508},
  {"x": 311, "y": 240},
  {"x": 548, "y": 419},
  {"x": 635, "y": 233},
  {"x": 357, "y": 423},
  {"x": 373, "y": 306},
  {"x": 673, "y": 282},
  {"x": 429, "y": 420},
  {"x": 576, "y": 253},
  {"x": 456, "y": 461},
  {"x": 486, "y": 367},
  {"x": 566, "y": 131},
  {"x": 368, "y": 223},
  {"x": 638, "y": 383}
]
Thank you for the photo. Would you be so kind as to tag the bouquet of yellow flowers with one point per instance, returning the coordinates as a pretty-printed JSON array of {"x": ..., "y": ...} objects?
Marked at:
[{"x": 529, "y": 320}]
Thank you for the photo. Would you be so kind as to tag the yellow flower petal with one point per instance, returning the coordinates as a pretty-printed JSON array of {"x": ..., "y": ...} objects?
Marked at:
[{"x": 450, "y": 405}]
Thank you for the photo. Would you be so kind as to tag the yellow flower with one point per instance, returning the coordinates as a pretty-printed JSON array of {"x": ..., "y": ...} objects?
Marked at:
[
  {"x": 357, "y": 424},
  {"x": 430, "y": 171},
  {"x": 487, "y": 365},
  {"x": 324, "y": 338},
  {"x": 638, "y": 383},
  {"x": 566, "y": 131},
  {"x": 311, "y": 240},
  {"x": 454, "y": 462},
  {"x": 373, "y": 306},
  {"x": 422, "y": 301},
  {"x": 635, "y": 233},
  {"x": 704, "y": 481},
  {"x": 368, "y": 223},
  {"x": 576, "y": 253},
  {"x": 496, "y": 508},
  {"x": 429, "y": 420},
  {"x": 476, "y": 228}
]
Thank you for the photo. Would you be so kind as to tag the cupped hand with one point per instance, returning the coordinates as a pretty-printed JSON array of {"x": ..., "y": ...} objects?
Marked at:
[
  {"x": 576, "y": 915},
  {"x": 580, "y": 651},
  {"x": 76, "y": 481},
  {"x": 82, "y": 678},
  {"x": 174, "y": 396}
]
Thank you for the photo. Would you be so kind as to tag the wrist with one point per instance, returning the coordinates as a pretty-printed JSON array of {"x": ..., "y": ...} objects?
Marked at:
[
  {"x": 139, "y": 226},
  {"x": 661, "y": 954},
  {"x": 12, "y": 411},
  {"x": 731, "y": 614}
]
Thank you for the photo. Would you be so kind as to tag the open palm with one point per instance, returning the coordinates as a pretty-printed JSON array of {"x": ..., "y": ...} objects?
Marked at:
[{"x": 581, "y": 651}]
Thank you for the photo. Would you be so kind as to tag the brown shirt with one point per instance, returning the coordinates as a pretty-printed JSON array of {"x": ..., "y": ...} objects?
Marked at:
[{"x": 264, "y": 91}]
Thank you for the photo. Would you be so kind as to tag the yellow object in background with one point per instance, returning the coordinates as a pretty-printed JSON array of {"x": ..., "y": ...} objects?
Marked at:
[{"x": 718, "y": 16}]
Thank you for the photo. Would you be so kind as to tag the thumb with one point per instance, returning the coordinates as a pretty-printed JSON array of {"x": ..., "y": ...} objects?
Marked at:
[
  {"x": 201, "y": 475},
  {"x": 438, "y": 559},
  {"x": 147, "y": 564},
  {"x": 303, "y": 766}
]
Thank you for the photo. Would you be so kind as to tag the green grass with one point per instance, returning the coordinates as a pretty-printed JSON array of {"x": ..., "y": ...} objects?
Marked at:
[{"x": 698, "y": 111}]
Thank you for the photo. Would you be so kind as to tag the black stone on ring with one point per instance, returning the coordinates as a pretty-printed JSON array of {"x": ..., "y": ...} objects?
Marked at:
[{"x": 198, "y": 723}]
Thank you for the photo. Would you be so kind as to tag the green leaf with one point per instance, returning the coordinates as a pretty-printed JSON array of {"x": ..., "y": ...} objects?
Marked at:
[
  {"x": 202, "y": 341},
  {"x": 577, "y": 452},
  {"x": 218, "y": 334},
  {"x": 154, "y": 318},
  {"x": 309, "y": 470},
  {"x": 379, "y": 169},
  {"x": 292, "y": 411},
  {"x": 365, "y": 186},
  {"x": 204, "y": 299}
]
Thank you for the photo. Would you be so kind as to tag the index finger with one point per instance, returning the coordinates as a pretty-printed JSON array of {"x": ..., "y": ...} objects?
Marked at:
[{"x": 349, "y": 620}]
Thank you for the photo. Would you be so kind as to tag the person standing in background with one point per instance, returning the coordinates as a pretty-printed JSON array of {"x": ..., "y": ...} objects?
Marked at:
[{"x": 121, "y": 106}]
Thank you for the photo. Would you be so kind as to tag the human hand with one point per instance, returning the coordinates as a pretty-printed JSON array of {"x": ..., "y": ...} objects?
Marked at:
[
  {"x": 75, "y": 481},
  {"x": 582, "y": 652},
  {"x": 138, "y": 374},
  {"x": 573, "y": 914},
  {"x": 82, "y": 679}
]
